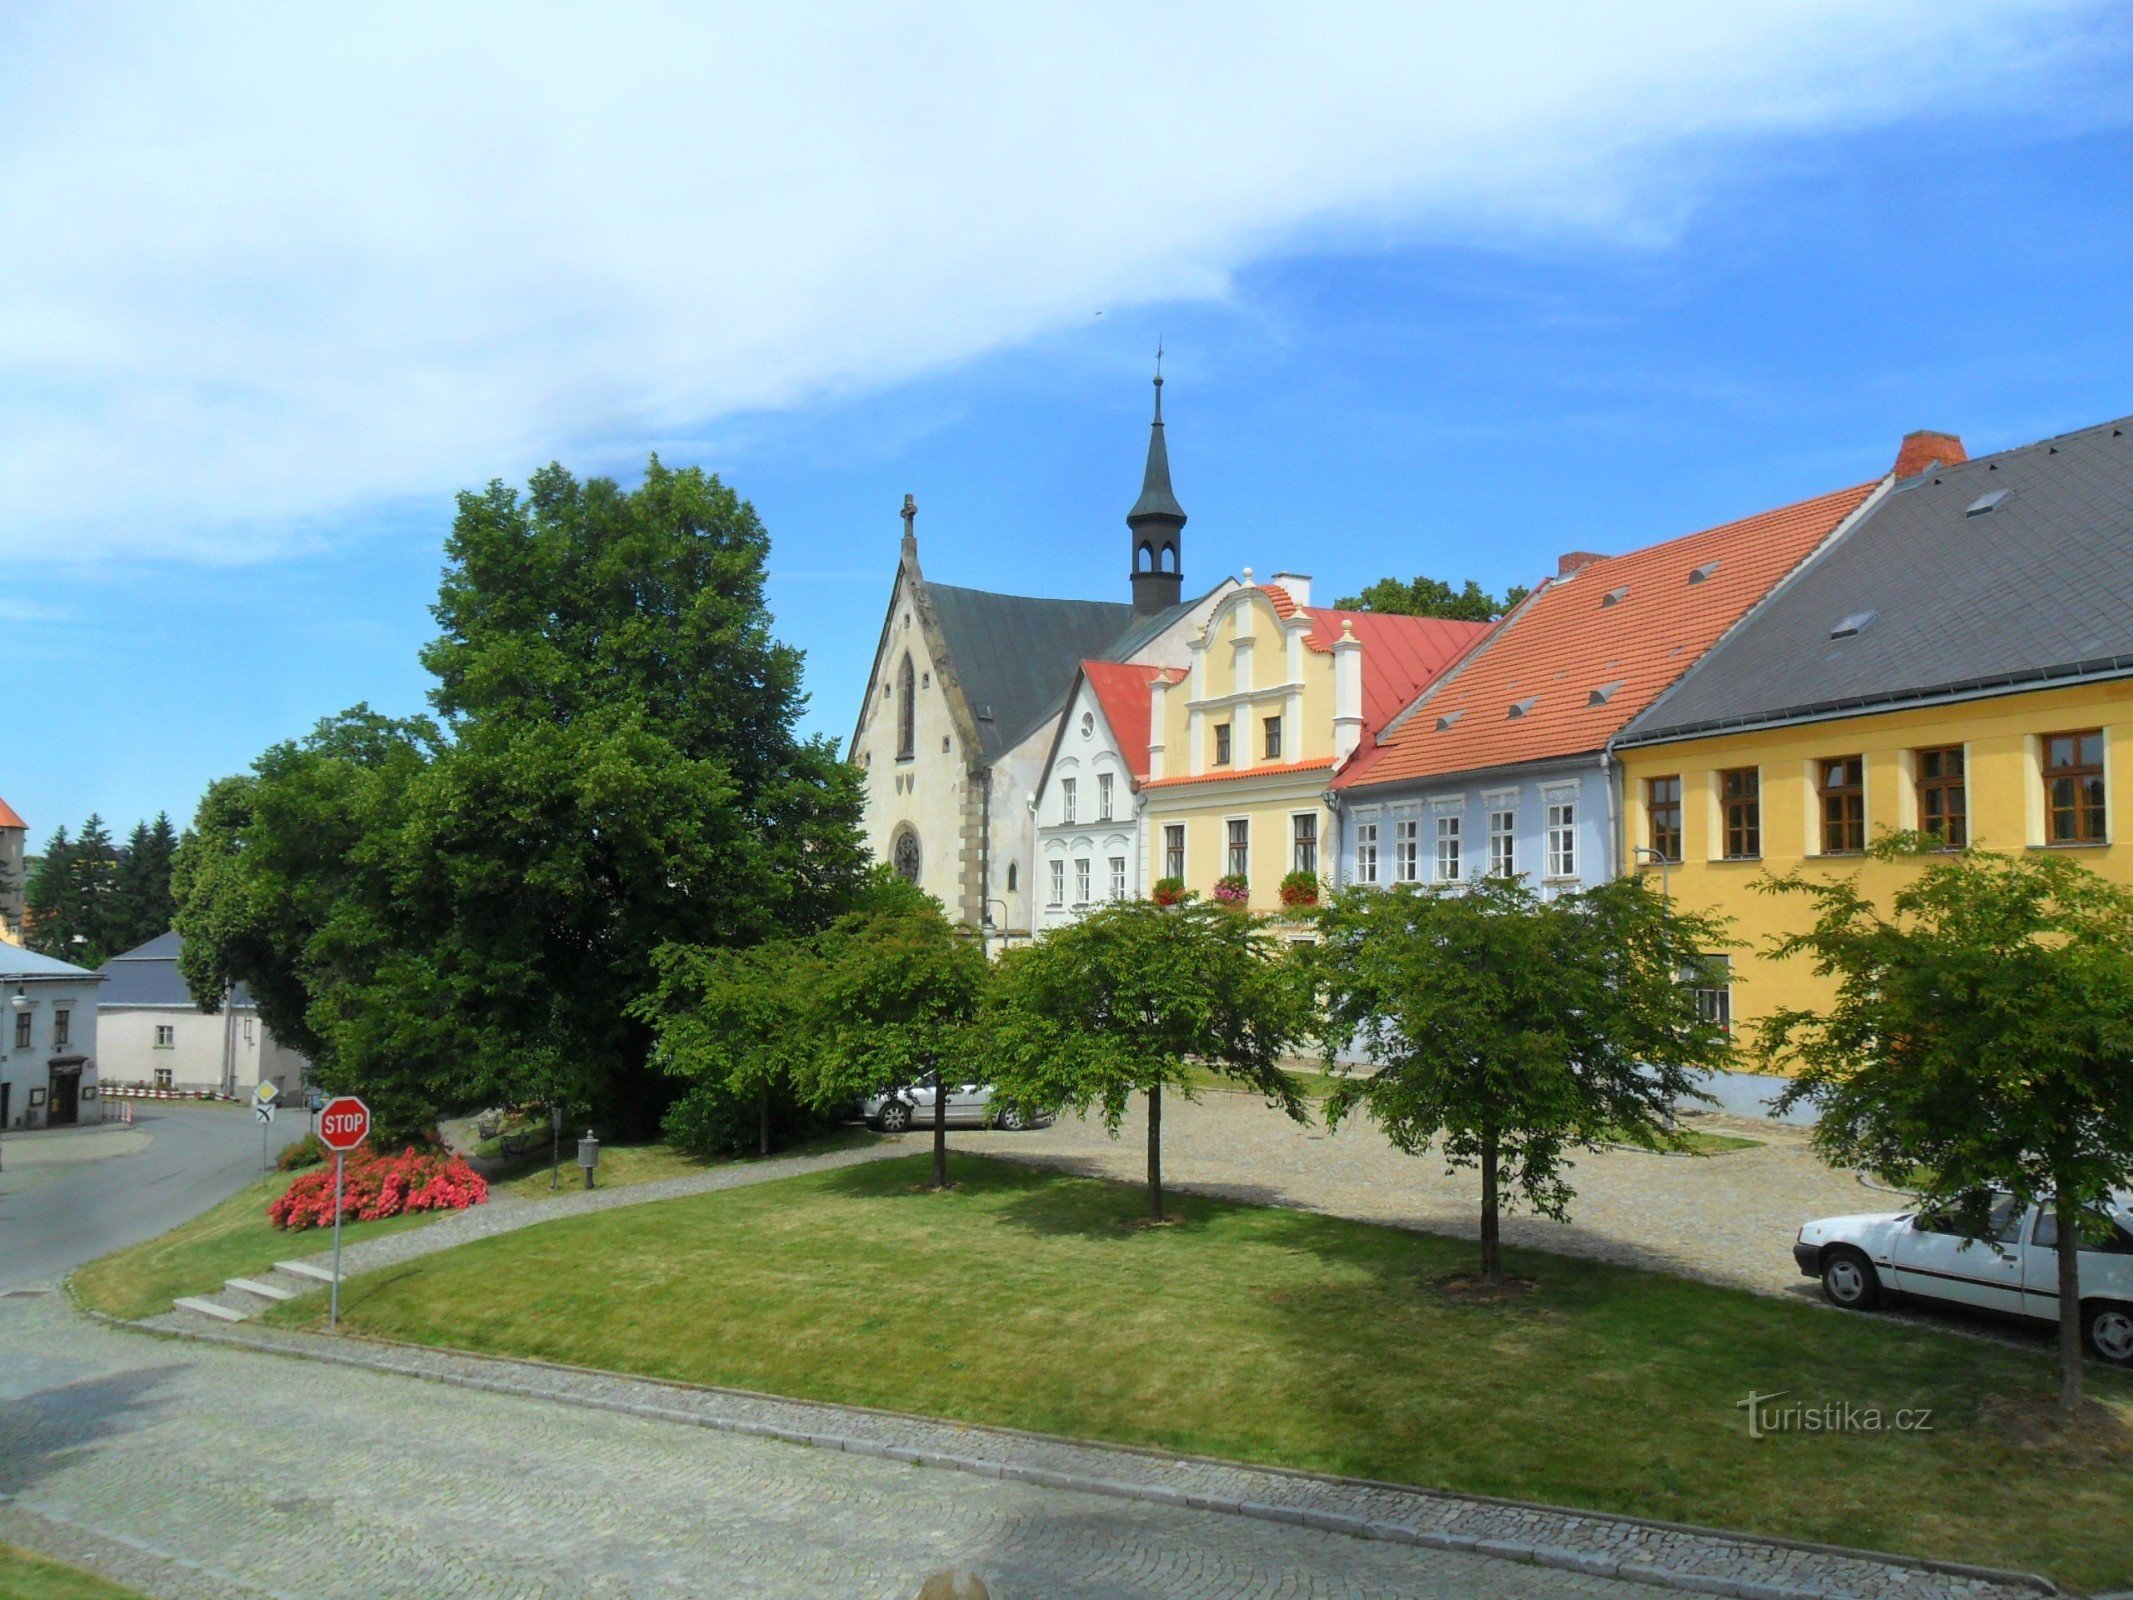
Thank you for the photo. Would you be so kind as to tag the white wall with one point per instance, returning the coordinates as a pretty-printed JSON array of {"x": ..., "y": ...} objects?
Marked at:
[
  {"x": 194, "y": 1057},
  {"x": 1086, "y": 754},
  {"x": 27, "y": 1071}
]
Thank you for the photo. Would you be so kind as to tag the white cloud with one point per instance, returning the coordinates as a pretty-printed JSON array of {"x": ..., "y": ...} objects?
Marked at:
[{"x": 264, "y": 266}]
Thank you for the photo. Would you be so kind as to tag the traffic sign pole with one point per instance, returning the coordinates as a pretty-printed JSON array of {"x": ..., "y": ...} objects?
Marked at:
[{"x": 340, "y": 1166}]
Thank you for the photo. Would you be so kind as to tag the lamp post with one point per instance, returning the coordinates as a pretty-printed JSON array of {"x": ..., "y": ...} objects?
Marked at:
[
  {"x": 1643, "y": 853},
  {"x": 555, "y": 1148}
]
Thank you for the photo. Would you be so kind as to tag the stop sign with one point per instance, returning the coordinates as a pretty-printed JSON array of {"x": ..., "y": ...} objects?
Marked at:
[{"x": 344, "y": 1123}]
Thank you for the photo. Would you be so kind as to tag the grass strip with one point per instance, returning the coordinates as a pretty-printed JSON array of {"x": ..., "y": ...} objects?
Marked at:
[{"x": 1034, "y": 1299}]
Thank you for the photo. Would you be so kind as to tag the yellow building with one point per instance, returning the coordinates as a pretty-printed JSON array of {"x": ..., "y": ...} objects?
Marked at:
[
  {"x": 1960, "y": 663},
  {"x": 1243, "y": 743}
]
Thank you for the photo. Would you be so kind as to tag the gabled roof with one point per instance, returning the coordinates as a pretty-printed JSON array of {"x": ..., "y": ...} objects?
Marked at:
[
  {"x": 1122, "y": 690},
  {"x": 1401, "y": 655},
  {"x": 1941, "y": 592},
  {"x": 148, "y": 975},
  {"x": 9, "y": 818},
  {"x": 1014, "y": 655},
  {"x": 1586, "y": 652}
]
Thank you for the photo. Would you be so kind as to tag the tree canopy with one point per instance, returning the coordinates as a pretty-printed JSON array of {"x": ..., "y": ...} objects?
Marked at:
[
  {"x": 1511, "y": 1029},
  {"x": 1981, "y": 1039},
  {"x": 1132, "y": 998},
  {"x": 90, "y": 898},
  {"x": 615, "y": 766},
  {"x": 1432, "y": 597}
]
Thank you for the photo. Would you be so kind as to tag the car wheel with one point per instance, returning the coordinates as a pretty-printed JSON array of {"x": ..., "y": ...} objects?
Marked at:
[
  {"x": 1848, "y": 1279},
  {"x": 895, "y": 1116},
  {"x": 1010, "y": 1120},
  {"x": 2107, "y": 1327}
]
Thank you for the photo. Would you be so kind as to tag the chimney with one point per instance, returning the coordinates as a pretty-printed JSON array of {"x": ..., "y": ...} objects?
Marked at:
[
  {"x": 1572, "y": 560},
  {"x": 1347, "y": 693},
  {"x": 1297, "y": 583},
  {"x": 1923, "y": 449}
]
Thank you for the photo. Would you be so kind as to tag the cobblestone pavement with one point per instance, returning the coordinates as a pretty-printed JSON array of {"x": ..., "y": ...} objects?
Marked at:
[
  {"x": 1727, "y": 1218},
  {"x": 197, "y": 1471}
]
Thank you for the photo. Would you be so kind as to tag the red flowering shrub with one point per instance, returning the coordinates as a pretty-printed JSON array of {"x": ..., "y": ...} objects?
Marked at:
[{"x": 380, "y": 1186}]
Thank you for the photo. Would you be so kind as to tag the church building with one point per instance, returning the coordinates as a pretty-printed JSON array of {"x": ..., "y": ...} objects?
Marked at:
[{"x": 966, "y": 696}]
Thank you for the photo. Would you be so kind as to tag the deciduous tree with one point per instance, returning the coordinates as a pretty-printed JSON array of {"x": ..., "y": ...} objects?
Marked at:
[
  {"x": 1980, "y": 1039},
  {"x": 1432, "y": 597},
  {"x": 1512, "y": 1030},
  {"x": 1135, "y": 996}
]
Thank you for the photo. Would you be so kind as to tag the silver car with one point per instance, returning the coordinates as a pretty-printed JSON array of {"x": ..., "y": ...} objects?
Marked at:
[{"x": 970, "y": 1105}]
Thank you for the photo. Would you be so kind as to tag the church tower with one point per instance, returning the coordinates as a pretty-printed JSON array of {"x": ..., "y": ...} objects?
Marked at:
[{"x": 1156, "y": 520}]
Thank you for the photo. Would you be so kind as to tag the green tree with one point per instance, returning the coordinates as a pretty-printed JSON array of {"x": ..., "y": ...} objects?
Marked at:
[
  {"x": 1432, "y": 597},
  {"x": 50, "y": 900},
  {"x": 1981, "y": 1039},
  {"x": 1511, "y": 1030},
  {"x": 142, "y": 906},
  {"x": 618, "y": 768},
  {"x": 894, "y": 1001},
  {"x": 1129, "y": 1000}
]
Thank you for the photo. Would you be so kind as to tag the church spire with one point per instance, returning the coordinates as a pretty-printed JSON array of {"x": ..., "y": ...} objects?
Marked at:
[{"x": 1156, "y": 520}]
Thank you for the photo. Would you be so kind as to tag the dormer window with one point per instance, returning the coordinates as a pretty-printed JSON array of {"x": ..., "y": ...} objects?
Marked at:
[
  {"x": 1703, "y": 573},
  {"x": 1520, "y": 707}
]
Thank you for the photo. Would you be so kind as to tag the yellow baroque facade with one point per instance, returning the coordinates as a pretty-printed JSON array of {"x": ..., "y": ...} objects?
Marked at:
[{"x": 2034, "y": 770}]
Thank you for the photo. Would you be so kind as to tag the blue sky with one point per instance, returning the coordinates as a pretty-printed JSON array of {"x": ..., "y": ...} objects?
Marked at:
[{"x": 1450, "y": 365}]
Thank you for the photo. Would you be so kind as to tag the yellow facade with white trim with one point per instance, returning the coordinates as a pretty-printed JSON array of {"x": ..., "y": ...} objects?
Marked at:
[{"x": 2003, "y": 743}]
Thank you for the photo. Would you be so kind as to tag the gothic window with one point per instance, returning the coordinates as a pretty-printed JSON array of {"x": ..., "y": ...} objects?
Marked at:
[
  {"x": 1011, "y": 877},
  {"x": 906, "y": 712},
  {"x": 903, "y": 855},
  {"x": 1144, "y": 558}
]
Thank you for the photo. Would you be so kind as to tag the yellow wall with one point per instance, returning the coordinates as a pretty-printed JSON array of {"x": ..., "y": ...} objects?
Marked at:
[
  {"x": 2002, "y": 740},
  {"x": 1251, "y": 664}
]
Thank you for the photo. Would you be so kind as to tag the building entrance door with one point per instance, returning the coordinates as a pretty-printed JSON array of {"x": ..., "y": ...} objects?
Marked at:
[{"x": 65, "y": 1109}]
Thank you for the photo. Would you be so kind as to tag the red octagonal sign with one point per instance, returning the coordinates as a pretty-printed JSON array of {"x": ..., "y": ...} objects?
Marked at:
[{"x": 344, "y": 1123}]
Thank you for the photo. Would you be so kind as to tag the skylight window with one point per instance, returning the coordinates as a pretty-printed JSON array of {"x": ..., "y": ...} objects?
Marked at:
[
  {"x": 1984, "y": 503},
  {"x": 1520, "y": 707},
  {"x": 1603, "y": 694},
  {"x": 1703, "y": 573},
  {"x": 1851, "y": 624},
  {"x": 1615, "y": 597}
]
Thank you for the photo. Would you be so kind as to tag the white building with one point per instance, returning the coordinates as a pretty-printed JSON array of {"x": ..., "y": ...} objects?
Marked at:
[
  {"x": 155, "y": 1037},
  {"x": 1089, "y": 804},
  {"x": 965, "y": 698},
  {"x": 48, "y": 1074}
]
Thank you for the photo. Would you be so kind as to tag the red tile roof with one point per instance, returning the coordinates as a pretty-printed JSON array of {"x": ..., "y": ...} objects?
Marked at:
[
  {"x": 1279, "y": 769},
  {"x": 8, "y": 818},
  {"x": 1581, "y": 666},
  {"x": 1402, "y": 656},
  {"x": 1122, "y": 690}
]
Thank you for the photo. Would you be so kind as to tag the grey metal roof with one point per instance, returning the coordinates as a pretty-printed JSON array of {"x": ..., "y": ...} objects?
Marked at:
[
  {"x": 1947, "y": 601},
  {"x": 147, "y": 975},
  {"x": 1157, "y": 498},
  {"x": 16, "y": 962},
  {"x": 1015, "y": 655}
]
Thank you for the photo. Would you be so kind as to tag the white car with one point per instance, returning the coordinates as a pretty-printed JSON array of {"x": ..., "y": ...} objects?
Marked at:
[
  {"x": 969, "y": 1106},
  {"x": 2014, "y": 1269}
]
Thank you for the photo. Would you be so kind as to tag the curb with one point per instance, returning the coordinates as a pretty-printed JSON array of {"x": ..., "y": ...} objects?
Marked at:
[{"x": 1548, "y": 1556}]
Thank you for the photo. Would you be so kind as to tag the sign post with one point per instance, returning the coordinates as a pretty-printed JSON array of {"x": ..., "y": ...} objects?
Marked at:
[
  {"x": 343, "y": 1125},
  {"x": 263, "y": 1108}
]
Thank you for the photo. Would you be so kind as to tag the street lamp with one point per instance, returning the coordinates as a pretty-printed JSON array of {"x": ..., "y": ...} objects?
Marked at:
[{"x": 1643, "y": 853}]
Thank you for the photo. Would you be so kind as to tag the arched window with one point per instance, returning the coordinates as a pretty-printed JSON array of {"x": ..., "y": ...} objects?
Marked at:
[
  {"x": 1144, "y": 558},
  {"x": 1168, "y": 561},
  {"x": 906, "y": 711},
  {"x": 903, "y": 855},
  {"x": 1011, "y": 877}
]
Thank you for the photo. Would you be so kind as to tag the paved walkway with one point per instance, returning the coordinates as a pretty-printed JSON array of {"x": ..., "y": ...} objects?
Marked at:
[
  {"x": 197, "y": 1471},
  {"x": 1727, "y": 1218}
]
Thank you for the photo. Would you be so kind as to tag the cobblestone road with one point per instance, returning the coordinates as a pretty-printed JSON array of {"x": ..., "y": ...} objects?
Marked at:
[
  {"x": 197, "y": 1472},
  {"x": 1726, "y": 1218}
]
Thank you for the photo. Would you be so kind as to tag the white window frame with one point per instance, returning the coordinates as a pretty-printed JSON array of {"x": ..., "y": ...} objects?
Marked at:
[
  {"x": 1081, "y": 880},
  {"x": 1448, "y": 843},
  {"x": 1058, "y": 866},
  {"x": 1366, "y": 852},
  {"x": 1066, "y": 800},
  {"x": 1560, "y": 822},
  {"x": 1118, "y": 877},
  {"x": 1407, "y": 849},
  {"x": 166, "y": 1036},
  {"x": 1103, "y": 797},
  {"x": 1502, "y": 813}
]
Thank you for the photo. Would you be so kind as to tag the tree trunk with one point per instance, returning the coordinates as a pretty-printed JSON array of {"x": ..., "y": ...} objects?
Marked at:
[
  {"x": 762, "y": 1119},
  {"x": 1491, "y": 1242},
  {"x": 940, "y": 1131},
  {"x": 1155, "y": 1150},
  {"x": 2069, "y": 1301}
]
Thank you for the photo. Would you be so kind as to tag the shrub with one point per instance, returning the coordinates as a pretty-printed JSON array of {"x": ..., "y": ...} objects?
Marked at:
[
  {"x": 1168, "y": 891},
  {"x": 1300, "y": 889},
  {"x": 1233, "y": 889},
  {"x": 380, "y": 1186},
  {"x": 711, "y": 1120},
  {"x": 306, "y": 1152}
]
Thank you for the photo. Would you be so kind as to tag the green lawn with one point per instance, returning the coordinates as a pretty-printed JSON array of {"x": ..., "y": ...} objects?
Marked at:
[
  {"x": 1036, "y": 1300},
  {"x": 27, "y": 1577},
  {"x": 233, "y": 1240}
]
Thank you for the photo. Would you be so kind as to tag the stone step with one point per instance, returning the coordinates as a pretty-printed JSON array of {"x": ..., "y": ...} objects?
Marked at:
[
  {"x": 304, "y": 1269},
  {"x": 209, "y": 1308},
  {"x": 265, "y": 1291}
]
